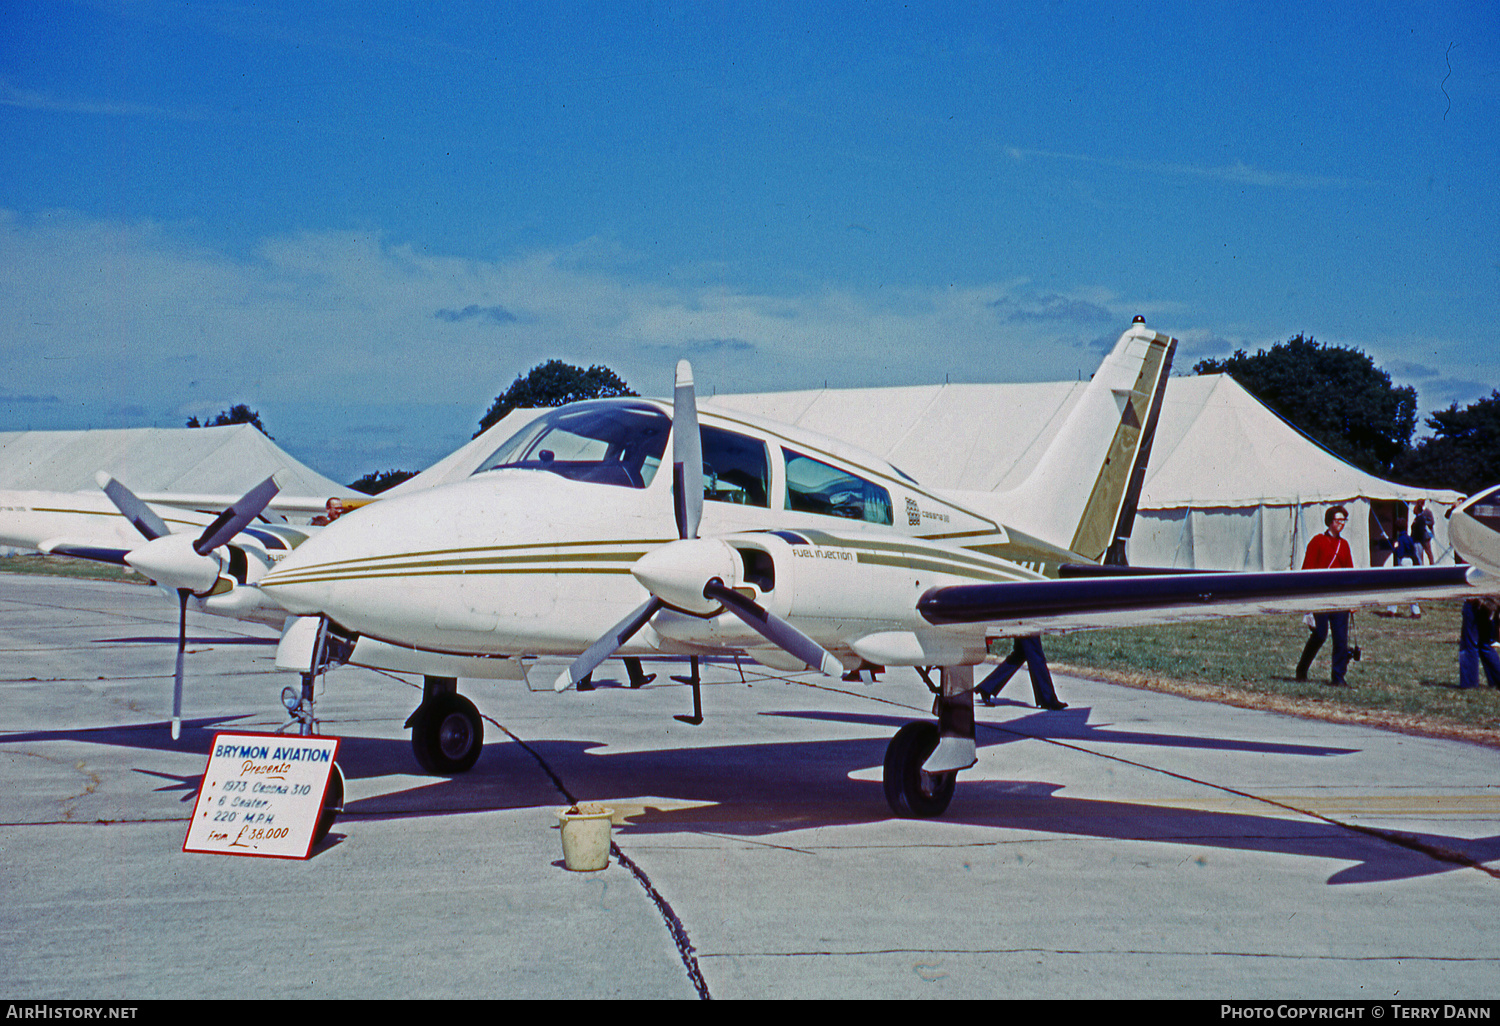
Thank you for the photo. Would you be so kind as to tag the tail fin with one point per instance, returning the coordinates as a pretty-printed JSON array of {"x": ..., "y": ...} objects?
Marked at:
[
  {"x": 1065, "y": 500},
  {"x": 1474, "y": 529}
]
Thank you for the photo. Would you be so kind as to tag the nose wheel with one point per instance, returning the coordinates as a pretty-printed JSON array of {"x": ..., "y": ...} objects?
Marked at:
[{"x": 447, "y": 733}]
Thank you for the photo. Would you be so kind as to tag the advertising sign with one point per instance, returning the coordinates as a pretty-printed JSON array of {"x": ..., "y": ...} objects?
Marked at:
[{"x": 262, "y": 795}]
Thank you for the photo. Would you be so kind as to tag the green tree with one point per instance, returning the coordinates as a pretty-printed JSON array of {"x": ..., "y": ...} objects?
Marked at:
[
  {"x": 237, "y": 414},
  {"x": 377, "y": 481},
  {"x": 1333, "y": 394},
  {"x": 554, "y": 383},
  {"x": 1463, "y": 452}
]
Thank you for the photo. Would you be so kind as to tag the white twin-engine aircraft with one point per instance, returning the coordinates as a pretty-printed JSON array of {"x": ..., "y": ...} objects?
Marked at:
[{"x": 634, "y": 528}]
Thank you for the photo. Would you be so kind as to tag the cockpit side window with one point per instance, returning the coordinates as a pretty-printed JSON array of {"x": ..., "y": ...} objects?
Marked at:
[
  {"x": 735, "y": 469},
  {"x": 813, "y": 486},
  {"x": 605, "y": 442}
]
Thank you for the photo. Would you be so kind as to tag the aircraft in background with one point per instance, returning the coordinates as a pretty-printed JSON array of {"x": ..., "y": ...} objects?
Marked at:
[
  {"x": 634, "y": 528},
  {"x": 206, "y": 557}
]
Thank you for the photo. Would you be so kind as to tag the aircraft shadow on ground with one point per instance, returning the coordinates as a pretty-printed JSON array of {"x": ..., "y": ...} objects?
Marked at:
[{"x": 769, "y": 788}]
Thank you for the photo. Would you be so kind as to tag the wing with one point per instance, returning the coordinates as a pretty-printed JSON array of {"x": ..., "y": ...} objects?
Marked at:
[
  {"x": 287, "y": 505},
  {"x": 1138, "y": 599},
  {"x": 83, "y": 524},
  {"x": 90, "y": 525}
]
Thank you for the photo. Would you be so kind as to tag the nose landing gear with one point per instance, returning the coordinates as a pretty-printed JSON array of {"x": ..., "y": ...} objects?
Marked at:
[
  {"x": 327, "y": 650},
  {"x": 447, "y": 732}
]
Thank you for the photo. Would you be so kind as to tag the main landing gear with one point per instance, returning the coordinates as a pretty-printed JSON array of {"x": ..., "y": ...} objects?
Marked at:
[
  {"x": 447, "y": 732},
  {"x": 911, "y": 791},
  {"x": 923, "y": 759}
]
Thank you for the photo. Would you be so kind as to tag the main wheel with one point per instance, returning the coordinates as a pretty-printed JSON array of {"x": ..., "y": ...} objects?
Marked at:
[
  {"x": 447, "y": 734},
  {"x": 909, "y": 791},
  {"x": 333, "y": 804}
]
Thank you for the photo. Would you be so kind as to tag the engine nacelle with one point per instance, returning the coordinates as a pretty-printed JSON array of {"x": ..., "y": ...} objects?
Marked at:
[{"x": 849, "y": 592}]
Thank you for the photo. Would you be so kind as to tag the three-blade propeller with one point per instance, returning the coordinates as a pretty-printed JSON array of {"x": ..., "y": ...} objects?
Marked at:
[
  {"x": 181, "y": 562},
  {"x": 695, "y": 577}
]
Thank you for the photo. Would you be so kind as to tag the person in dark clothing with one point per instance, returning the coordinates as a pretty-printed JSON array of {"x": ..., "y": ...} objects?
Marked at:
[
  {"x": 1421, "y": 529},
  {"x": 1405, "y": 553},
  {"x": 638, "y": 677},
  {"x": 1476, "y": 644},
  {"x": 1026, "y": 651}
]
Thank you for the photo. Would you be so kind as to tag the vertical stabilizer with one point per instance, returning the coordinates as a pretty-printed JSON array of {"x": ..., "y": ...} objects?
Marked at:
[{"x": 1083, "y": 493}]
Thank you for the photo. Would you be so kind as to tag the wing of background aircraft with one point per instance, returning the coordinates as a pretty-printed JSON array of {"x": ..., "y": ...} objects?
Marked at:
[{"x": 93, "y": 525}]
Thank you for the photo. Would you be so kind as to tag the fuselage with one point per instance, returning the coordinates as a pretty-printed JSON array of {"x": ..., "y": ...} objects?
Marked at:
[{"x": 534, "y": 555}]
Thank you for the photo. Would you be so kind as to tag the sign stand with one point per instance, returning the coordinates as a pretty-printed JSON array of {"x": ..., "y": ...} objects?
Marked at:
[{"x": 266, "y": 795}]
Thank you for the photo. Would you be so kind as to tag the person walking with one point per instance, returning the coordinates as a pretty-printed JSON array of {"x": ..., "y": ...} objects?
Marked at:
[
  {"x": 1027, "y": 651},
  {"x": 1406, "y": 553},
  {"x": 1476, "y": 644},
  {"x": 1329, "y": 551},
  {"x": 1421, "y": 529}
]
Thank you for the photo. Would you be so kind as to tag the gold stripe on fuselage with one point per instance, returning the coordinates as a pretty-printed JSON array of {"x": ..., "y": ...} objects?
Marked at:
[{"x": 471, "y": 560}]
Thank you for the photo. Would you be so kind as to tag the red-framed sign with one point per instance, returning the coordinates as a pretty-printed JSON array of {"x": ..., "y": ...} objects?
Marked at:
[{"x": 262, "y": 795}]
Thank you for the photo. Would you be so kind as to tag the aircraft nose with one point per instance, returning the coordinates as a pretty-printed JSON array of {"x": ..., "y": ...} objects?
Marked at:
[
  {"x": 359, "y": 570},
  {"x": 294, "y": 587},
  {"x": 307, "y": 581}
]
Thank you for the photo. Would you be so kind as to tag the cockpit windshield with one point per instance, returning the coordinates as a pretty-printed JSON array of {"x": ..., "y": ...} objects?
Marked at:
[{"x": 609, "y": 441}]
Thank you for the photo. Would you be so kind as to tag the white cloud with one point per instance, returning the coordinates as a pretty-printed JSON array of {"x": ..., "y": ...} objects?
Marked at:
[
  {"x": 1237, "y": 173},
  {"x": 36, "y": 100},
  {"x": 108, "y": 316}
]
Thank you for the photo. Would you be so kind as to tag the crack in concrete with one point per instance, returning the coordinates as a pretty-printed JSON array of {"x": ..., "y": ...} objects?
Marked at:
[
  {"x": 66, "y": 802},
  {"x": 670, "y": 919}
]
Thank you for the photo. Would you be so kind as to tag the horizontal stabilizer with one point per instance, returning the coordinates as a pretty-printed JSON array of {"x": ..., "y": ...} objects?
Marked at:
[{"x": 1474, "y": 529}]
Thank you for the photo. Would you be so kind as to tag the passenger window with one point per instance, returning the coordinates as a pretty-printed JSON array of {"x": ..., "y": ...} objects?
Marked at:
[
  {"x": 735, "y": 469},
  {"x": 815, "y": 487}
]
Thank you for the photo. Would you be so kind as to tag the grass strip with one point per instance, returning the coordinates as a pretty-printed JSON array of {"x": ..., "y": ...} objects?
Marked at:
[{"x": 1406, "y": 679}]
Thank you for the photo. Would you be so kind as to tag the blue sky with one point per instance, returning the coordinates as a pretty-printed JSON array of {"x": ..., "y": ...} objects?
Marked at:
[{"x": 365, "y": 219}]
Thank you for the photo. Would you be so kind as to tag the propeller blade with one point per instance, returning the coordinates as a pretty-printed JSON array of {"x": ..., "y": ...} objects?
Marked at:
[
  {"x": 182, "y": 601},
  {"x": 775, "y": 630},
  {"x": 137, "y": 512},
  {"x": 687, "y": 454},
  {"x": 233, "y": 520},
  {"x": 608, "y": 644}
]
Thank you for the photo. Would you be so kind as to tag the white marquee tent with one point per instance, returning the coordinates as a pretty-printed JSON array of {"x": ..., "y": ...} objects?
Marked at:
[
  {"x": 211, "y": 461},
  {"x": 1229, "y": 485}
]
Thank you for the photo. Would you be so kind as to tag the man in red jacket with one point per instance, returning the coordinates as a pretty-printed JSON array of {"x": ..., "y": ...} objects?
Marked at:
[{"x": 1329, "y": 551}]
